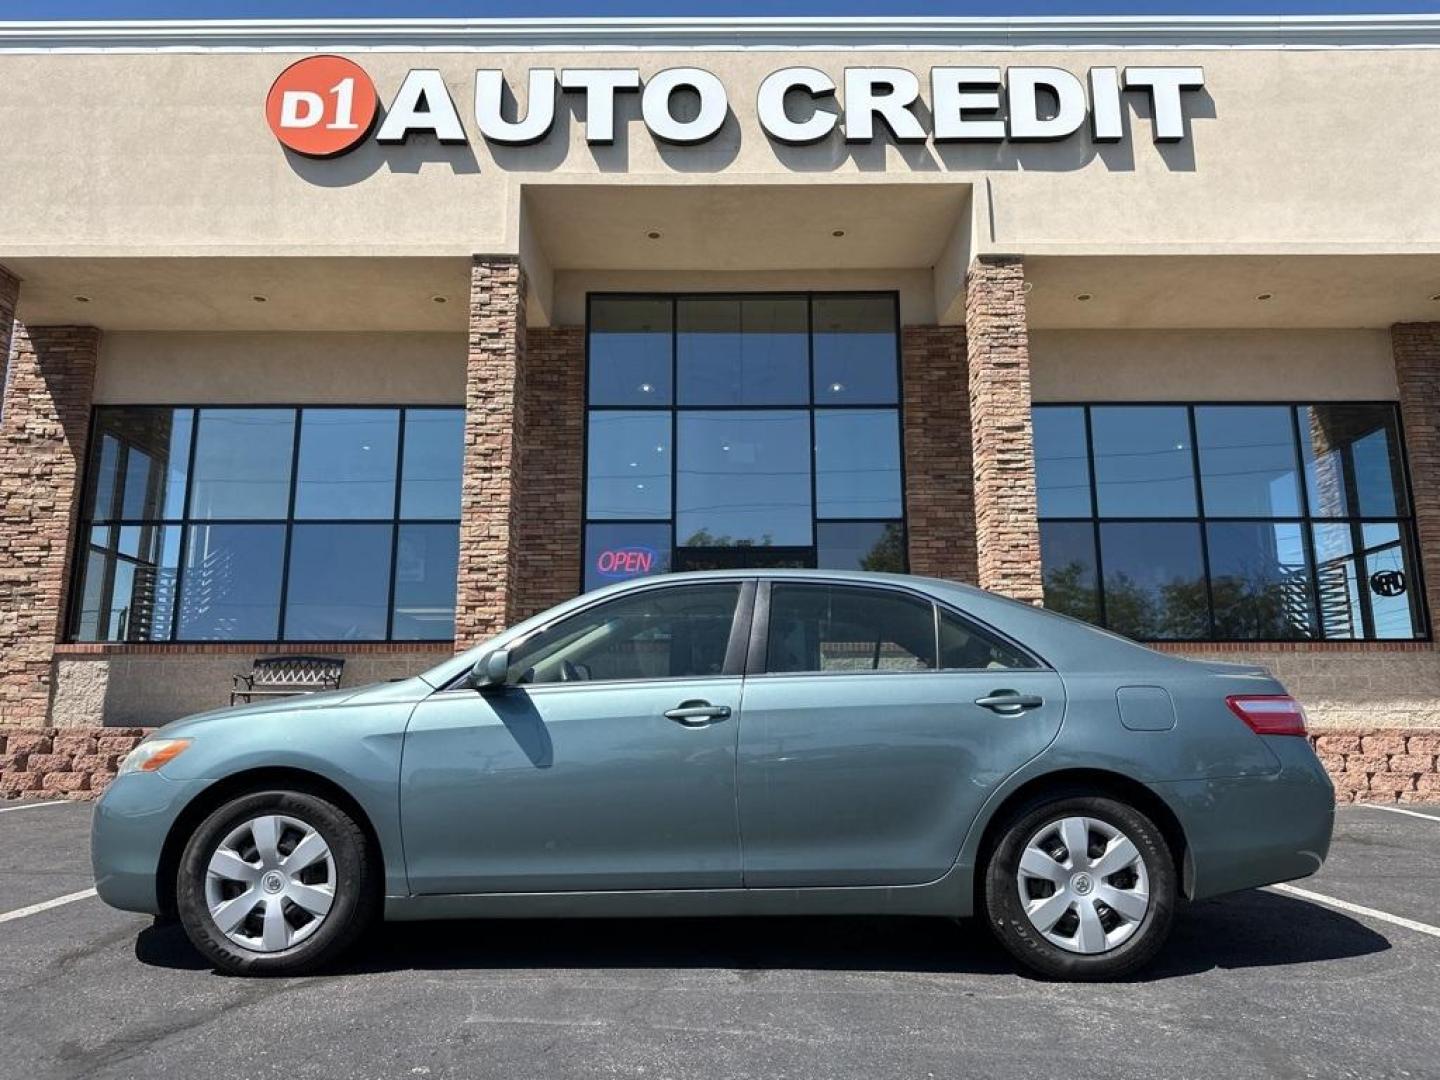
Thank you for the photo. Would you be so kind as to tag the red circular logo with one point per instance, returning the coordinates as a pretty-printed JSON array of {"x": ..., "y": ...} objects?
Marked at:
[{"x": 321, "y": 106}]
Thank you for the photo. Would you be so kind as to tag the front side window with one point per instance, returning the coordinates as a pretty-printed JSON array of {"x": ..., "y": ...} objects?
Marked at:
[
  {"x": 668, "y": 633},
  {"x": 730, "y": 432},
  {"x": 1228, "y": 522},
  {"x": 270, "y": 524}
]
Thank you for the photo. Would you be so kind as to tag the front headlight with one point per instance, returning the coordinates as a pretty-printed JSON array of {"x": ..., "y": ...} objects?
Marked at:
[{"x": 153, "y": 753}]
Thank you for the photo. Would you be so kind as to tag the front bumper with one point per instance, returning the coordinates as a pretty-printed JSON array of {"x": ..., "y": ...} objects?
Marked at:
[
  {"x": 132, "y": 819},
  {"x": 1246, "y": 832}
]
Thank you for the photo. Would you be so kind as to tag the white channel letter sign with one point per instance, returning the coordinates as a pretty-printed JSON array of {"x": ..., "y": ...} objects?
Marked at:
[{"x": 793, "y": 105}]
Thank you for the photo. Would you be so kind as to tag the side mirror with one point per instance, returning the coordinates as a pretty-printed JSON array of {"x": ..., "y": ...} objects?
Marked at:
[{"x": 491, "y": 671}]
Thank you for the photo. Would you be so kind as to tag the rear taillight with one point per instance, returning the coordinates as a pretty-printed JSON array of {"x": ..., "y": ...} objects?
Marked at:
[{"x": 1269, "y": 714}]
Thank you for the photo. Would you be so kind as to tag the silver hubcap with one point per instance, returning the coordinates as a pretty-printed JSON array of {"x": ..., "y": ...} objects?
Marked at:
[
  {"x": 1083, "y": 884},
  {"x": 270, "y": 883}
]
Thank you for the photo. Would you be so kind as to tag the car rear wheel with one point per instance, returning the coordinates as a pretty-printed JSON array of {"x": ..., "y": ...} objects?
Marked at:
[
  {"x": 1081, "y": 887},
  {"x": 276, "y": 882}
]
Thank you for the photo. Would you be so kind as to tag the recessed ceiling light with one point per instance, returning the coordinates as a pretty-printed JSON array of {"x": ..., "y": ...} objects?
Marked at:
[
  {"x": 259, "y": 299},
  {"x": 838, "y": 232},
  {"x": 645, "y": 388},
  {"x": 653, "y": 235},
  {"x": 1264, "y": 296},
  {"x": 81, "y": 299},
  {"x": 439, "y": 299},
  {"x": 1084, "y": 296},
  {"x": 836, "y": 387}
]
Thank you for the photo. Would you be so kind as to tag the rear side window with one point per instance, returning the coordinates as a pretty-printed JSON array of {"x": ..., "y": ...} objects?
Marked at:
[
  {"x": 965, "y": 646},
  {"x": 830, "y": 628}
]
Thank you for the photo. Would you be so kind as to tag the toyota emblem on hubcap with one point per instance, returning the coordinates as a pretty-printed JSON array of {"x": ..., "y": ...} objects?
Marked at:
[
  {"x": 273, "y": 882},
  {"x": 1081, "y": 883}
]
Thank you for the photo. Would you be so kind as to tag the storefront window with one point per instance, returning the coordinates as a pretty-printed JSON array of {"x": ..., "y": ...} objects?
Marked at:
[
  {"x": 1228, "y": 522},
  {"x": 270, "y": 524},
  {"x": 779, "y": 447}
]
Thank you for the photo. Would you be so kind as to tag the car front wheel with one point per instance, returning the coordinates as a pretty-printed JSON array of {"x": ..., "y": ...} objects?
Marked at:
[
  {"x": 276, "y": 882},
  {"x": 1081, "y": 887}
]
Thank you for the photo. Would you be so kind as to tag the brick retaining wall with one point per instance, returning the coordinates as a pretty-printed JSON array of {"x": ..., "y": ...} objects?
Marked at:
[{"x": 78, "y": 763}]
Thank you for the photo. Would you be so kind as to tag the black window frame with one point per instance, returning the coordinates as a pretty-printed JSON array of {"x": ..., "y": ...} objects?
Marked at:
[
  {"x": 1305, "y": 521},
  {"x": 732, "y": 557},
  {"x": 82, "y": 547}
]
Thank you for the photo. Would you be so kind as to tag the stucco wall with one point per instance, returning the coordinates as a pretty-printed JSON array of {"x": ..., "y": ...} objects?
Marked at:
[
  {"x": 1212, "y": 365},
  {"x": 241, "y": 368},
  {"x": 161, "y": 152}
]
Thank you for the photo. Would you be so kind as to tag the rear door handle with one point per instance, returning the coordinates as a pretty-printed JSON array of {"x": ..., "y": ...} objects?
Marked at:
[
  {"x": 1008, "y": 702},
  {"x": 698, "y": 713}
]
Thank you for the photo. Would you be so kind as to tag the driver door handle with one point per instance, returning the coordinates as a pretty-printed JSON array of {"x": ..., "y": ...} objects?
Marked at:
[
  {"x": 698, "y": 713},
  {"x": 1008, "y": 702}
]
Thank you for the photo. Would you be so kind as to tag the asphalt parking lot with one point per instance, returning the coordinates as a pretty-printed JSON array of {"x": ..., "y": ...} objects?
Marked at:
[{"x": 1264, "y": 983}]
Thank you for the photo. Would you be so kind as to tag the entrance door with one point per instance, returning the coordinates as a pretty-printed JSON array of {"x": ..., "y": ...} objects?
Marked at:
[
  {"x": 609, "y": 764},
  {"x": 865, "y": 752}
]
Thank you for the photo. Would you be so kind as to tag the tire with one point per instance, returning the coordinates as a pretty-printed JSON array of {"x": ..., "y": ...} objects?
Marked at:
[
  {"x": 1111, "y": 944},
  {"x": 276, "y": 911}
]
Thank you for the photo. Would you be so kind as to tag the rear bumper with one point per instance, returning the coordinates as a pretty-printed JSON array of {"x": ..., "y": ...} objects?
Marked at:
[
  {"x": 1252, "y": 831},
  {"x": 132, "y": 819}
]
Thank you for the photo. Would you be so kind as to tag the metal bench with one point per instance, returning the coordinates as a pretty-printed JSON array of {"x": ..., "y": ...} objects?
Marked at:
[{"x": 285, "y": 676}]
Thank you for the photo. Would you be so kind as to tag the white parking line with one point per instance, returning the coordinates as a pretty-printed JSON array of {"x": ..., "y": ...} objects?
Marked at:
[
  {"x": 1400, "y": 810},
  {"x": 1359, "y": 909},
  {"x": 46, "y": 905},
  {"x": 36, "y": 805}
]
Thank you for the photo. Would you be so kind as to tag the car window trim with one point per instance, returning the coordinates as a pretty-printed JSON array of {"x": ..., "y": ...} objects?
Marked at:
[{"x": 757, "y": 659}]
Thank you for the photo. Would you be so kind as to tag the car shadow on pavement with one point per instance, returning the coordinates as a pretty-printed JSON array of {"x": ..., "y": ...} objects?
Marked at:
[{"x": 1251, "y": 929}]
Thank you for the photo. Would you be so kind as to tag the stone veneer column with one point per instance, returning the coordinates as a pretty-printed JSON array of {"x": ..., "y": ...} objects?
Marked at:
[
  {"x": 486, "y": 597},
  {"x": 939, "y": 504},
  {"x": 1007, "y": 535},
  {"x": 1416, "y": 347},
  {"x": 9, "y": 297},
  {"x": 43, "y": 434},
  {"x": 552, "y": 462}
]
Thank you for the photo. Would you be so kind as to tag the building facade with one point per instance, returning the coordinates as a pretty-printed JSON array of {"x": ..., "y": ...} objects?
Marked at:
[{"x": 365, "y": 339}]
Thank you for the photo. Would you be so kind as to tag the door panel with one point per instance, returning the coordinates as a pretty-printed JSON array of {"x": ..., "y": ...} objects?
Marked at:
[
  {"x": 572, "y": 786},
  {"x": 874, "y": 779}
]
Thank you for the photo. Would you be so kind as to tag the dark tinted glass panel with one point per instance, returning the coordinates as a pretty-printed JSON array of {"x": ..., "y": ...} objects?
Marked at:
[
  {"x": 1390, "y": 577},
  {"x": 138, "y": 466},
  {"x": 1339, "y": 582},
  {"x": 831, "y": 628},
  {"x": 242, "y": 463},
  {"x": 434, "y": 460},
  {"x": 965, "y": 646},
  {"x": 347, "y": 463},
  {"x": 1247, "y": 461},
  {"x": 1155, "y": 580},
  {"x": 746, "y": 557},
  {"x": 426, "y": 562},
  {"x": 629, "y": 465},
  {"x": 1352, "y": 461},
  {"x": 629, "y": 346},
  {"x": 127, "y": 589},
  {"x": 1062, "y": 464},
  {"x": 744, "y": 478},
  {"x": 661, "y": 634},
  {"x": 621, "y": 552},
  {"x": 1260, "y": 581},
  {"x": 1143, "y": 466},
  {"x": 855, "y": 358},
  {"x": 743, "y": 352},
  {"x": 860, "y": 545},
  {"x": 339, "y": 583},
  {"x": 231, "y": 590},
  {"x": 1067, "y": 560},
  {"x": 857, "y": 463}
]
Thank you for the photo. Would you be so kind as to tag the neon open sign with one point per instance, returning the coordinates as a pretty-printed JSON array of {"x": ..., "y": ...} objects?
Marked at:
[{"x": 625, "y": 562}]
